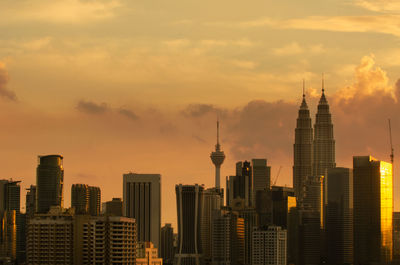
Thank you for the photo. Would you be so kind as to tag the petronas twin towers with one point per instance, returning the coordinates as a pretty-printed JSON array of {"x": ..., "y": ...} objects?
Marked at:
[{"x": 313, "y": 153}]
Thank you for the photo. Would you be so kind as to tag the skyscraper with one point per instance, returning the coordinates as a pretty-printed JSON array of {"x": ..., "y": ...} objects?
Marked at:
[
  {"x": 227, "y": 238},
  {"x": 396, "y": 237},
  {"x": 313, "y": 195},
  {"x": 282, "y": 201},
  {"x": 85, "y": 199},
  {"x": 261, "y": 176},
  {"x": 324, "y": 143},
  {"x": 269, "y": 246},
  {"x": 339, "y": 216},
  {"x": 302, "y": 155},
  {"x": 94, "y": 200},
  {"x": 49, "y": 183},
  {"x": 167, "y": 244},
  {"x": 113, "y": 207},
  {"x": 30, "y": 203},
  {"x": 217, "y": 157},
  {"x": 212, "y": 200},
  {"x": 142, "y": 201},
  {"x": 373, "y": 207},
  {"x": 188, "y": 203}
]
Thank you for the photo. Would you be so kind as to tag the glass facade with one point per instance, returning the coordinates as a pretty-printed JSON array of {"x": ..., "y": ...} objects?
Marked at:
[{"x": 386, "y": 181}]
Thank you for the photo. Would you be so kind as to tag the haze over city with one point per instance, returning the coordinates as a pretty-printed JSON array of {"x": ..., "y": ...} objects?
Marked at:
[{"x": 117, "y": 86}]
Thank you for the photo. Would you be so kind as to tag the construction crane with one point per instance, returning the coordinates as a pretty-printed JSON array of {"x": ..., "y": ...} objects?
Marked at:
[
  {"x": 391, "y": 144},
  {"x": 277, "y": 175}
]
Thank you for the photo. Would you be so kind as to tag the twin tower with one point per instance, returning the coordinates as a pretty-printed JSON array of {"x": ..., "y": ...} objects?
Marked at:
[{"x": 314, "y": 148}]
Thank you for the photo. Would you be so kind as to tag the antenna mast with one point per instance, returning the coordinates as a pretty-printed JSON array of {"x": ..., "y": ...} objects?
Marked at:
[{"x": 391, "y": 144}]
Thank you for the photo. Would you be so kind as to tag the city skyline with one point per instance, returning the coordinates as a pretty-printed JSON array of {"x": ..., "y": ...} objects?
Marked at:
[{"x": 112, "y": 98}]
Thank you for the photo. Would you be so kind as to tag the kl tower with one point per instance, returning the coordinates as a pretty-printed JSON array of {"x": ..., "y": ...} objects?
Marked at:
[{"x": 217, "y": 158}]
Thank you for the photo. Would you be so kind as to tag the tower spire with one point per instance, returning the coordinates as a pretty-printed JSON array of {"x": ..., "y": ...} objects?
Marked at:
[
  {"x": 217, "y": 157},
  {"x": 323, "y": 83},
  {"x": 304, "y": 85},
  {"x": 217, "y": 130}
]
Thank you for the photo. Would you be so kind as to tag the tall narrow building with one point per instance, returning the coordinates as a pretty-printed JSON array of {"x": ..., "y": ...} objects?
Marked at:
[
  {"x": 303, "y": 141},
  {"x": 324, "y": 143},
  {"x": 217, "y": 158}
]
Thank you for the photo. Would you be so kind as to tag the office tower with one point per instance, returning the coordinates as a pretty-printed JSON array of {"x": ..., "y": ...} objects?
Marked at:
[
  {"x": 80, "y": 198},
  {"x": 269, "y": 246},
  {"x": 30, "y": 202},
  {"x": 261, "y": 175},
  {"x": 324, "y": 143},
  {"x": 282, "y": 201},
  {"x": 188, "y": 203},
  {"x": 263, "y": 205},
  {"x": 212, "y": 200},
  {"x": 94, "y": 200},
  {"x": 396, "y": 237},
  {"x": 148, "y": 255},
  {"x": 113, "y": 207},
  {"x": 167, "y": 244},
  {"x": 142, "y": 201},
  {"x": 302, "y": 155},
  {"x": 108, "y": 240},
  {"x": 373, "y": 207},
  {"x": 250, "y": 218},
  {"x": 339, "y": 215},
  {"x": 217, "y": 157},
  {"x": 49, "y": 183},
  {"x": 50, "y": 238},
  {"x": 227, "y": 238},
  {"x": 85, "y": 199},
  {"x": 308, "y": 246},
  {"x": 313, "y": 195},
  {"x": 240, "y": 186}
]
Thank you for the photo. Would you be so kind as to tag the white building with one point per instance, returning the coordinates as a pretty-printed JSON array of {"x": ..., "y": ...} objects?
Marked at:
[
  {"x": 269, "y": 246},
  {"x": 148, "y": 255}
]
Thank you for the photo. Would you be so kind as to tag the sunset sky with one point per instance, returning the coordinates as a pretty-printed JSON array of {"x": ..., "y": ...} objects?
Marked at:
[{"x": 117, "y": 86}]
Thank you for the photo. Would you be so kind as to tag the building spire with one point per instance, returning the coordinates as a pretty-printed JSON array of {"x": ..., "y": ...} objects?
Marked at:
[
  {"x": 323, "y": 98},
  {"x": 217, "y": 157},
  {"x": 304, "y": 103},
  {"x": 323, "y": 84},
  {"x": 304, "y": 85}
]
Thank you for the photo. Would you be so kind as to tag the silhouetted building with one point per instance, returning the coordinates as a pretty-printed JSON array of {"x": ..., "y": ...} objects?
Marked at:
[
  {"x": 324, "y": 142},
  {"x": 188, "y": 203},
  {"x": 282, "y": 201},
  {"x": 373, "y": 207},
  {"x": 167, "y": 244},
  {"x": 113, "y": 207},
  {"x": 30, "y": 202},
  {"x": 212, "y": 200},
  {"x": 339, "y": 216},
  {"x": 264, "y": 207},
  {"x": 94, "y": 200},
  {"x": 313, "y": 195},
  {"x": 148, "y": 255},
  {"x": 227, "y": 238},
  {"x": 303, "y": 150},
  {"x": 269, "y": 246},
  {"x": 49, "y": 183},
  {"x": 261, "y": 176},
  {"x": 80, "y": 198},
  {"x": 217, "y": 157},
  {"x": 142, "y": 201},
  {"x": 396, "y": 237}
]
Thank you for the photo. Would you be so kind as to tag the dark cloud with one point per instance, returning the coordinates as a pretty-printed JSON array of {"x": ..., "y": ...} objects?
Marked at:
[
  {"x": 198, "y": 110},
  {"x": 92, "y": 107},
  {"x": 128, "y": 113},
  {"x": 4, "y": 78},
  {"x": 199, "y": 139}
]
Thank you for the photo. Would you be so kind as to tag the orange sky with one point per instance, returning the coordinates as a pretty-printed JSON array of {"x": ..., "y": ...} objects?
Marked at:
[{"x": 116, "y": 86}]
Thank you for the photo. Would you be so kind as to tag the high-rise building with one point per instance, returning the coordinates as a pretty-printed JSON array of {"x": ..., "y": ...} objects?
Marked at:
[
  {"x": 109, "y": 240},
  {"x": 50, "y": 238},
  {"x": 227, "y": 238},
  {"x": 142, "y": 201},
  {"x": 324, "y": 142},
  {"x": 188, "y": 203},
  {"x": 167, "y": 244},
  {"x": 308, "y": 246},
  {"x": 30, "y": 202},
  {"x": 269, "y": 246},
  {"x": 250, "y": 218},
  {"x": 261, "y": 175},
  {"x": 85, "y": 199},
  {"x": 240, "y": 186},
  {"x": 396, "y": 237},
  {"x": 373, "y": 208},
  {"x": 212, "y": 200},
  {"x": 148, "y": 255},
  {"x": 49, "y": 183},
  {"x": 282, "y": 201},
  {"x": 302, "y": 155},
  {"x": 313, "y": 195},
  {"x": 339, "y": 216},
  {"x": 217, "y": 157},
  {"x": 264, "y": 207},
  {"x": 94, "y": 200},
  {"x": 113, "y": 207}
]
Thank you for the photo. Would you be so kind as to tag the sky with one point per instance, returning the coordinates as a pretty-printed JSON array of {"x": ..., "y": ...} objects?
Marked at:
[{"x": 119, "y": 86}]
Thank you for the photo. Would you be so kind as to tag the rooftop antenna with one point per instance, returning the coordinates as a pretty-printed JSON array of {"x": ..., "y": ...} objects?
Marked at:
[{"x": 391, "y": 144}]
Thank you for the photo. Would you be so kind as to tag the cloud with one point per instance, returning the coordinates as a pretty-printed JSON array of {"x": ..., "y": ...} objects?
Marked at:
[
  {"x": 379, "y": 5},
  {"x": 128, "y": 113},
  {"x": 198, "y": 110},
  {"x": 92, "y": 107},
  {"x": 4, "y": 78},
  {"x": 58, "y": 11},
  {"x": 290, "y": 49}
]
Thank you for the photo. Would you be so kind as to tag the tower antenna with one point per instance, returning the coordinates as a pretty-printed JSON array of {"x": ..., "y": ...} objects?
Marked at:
[
  {"x": 304, "y": 85},
  {"x": 391, "y": 144}
]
